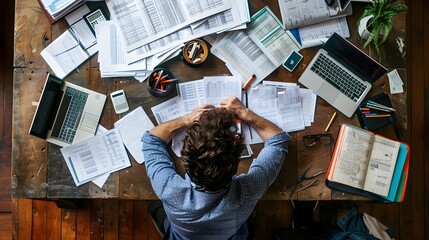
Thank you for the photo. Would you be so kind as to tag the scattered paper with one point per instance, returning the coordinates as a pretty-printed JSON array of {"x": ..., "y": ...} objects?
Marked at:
[
  {"x": 96, "y": 156},
  {"x": 395, "y": 82},
  {"x": 132, "y": 127}
]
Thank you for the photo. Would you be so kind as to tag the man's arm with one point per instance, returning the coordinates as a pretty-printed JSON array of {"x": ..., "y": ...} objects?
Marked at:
[
  {"x": 263, "y": 127},
  {"x": 167, "y": 130}
]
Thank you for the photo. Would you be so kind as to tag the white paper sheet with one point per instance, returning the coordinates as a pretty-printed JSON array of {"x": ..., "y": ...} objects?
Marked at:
[
  {"x": 96, "y": 156},
  {"x": 132, "y": 127},
  {"x": 299, "y": 13},
  {"x": 142, "y": 22}
]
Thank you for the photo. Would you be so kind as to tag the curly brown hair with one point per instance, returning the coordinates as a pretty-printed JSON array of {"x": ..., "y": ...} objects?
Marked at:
[{"x": 211, "y": 150}]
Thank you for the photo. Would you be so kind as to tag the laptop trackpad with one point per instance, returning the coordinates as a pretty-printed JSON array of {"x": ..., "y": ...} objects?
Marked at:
[{"x": 329, "y": 93}]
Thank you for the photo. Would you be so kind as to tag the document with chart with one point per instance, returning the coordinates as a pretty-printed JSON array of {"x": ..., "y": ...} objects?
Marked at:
[
  {"x": 142, "y": 22},
  {"x": 96, "y": 156},
  {"x": 259, "y": 49}
]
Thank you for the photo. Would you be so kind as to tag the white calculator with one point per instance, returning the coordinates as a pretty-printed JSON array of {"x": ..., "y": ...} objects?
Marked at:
[
  {"x": 94, "y": 18},
  {"x": 119, "y": 101}
]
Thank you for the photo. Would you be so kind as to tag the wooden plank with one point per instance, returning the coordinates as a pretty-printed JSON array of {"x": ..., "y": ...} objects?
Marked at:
[
  {"x": 68, "y": 224},
  {"x": 97, "y": 219},
  {"x": 6, "y": 220},
  {"x": 413, "y": 208},
  {"x": 2, "y": 83},
  {"x": 5, "y": 235},
  {"x": 152, "y": 231},
  {"x": 27, "y": 53},
  {"x": 39, "y": 225},
  {"x": 261, "y": 225},
  {"x": 275, "y": 216},
  {"x": 22, "y": 218},
  {"x": 111, "y": 219},
  {"x": 126, "y": 219},
  {"x": 5, "y": 176},
  {"x": 83, "y": 220},
  {"x": 141, "y": 221},
  {"x": 59, "y": 178},
  {"x": 53, "y": 221},
  {"x": 425, "y": 62},
  {"x": 426, "y": 118},
  {"x": 29, "y": 153}
]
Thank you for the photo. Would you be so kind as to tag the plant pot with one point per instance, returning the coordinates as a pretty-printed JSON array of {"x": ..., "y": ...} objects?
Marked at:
[{"x": 362, "y": 27}]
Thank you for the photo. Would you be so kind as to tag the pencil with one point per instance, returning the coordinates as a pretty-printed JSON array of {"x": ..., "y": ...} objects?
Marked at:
[
  {"x": 330, "y": 122},
  {"x": 169, "y": 80},
  {"x": 249, "y": 81},
  {"x": 378, "y": 116},
  {"x": 159, "y": 78}
]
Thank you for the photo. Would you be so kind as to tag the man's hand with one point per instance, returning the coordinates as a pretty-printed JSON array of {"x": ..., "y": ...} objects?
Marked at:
[
  {"x": 263, "y": 127},
  {"x": 167, "y": 130},
  {"x": 196, "y": 114},
  {"x": 232, "y": 104}
]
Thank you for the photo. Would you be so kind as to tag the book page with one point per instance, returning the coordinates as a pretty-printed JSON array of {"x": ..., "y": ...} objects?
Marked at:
[
  {"x": 353, "y": 157},
  {"x": 381, "y": 165}
]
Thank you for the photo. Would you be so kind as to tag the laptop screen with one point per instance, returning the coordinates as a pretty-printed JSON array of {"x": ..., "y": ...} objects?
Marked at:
[
  {"x": 357, "y": 61},
  {"x": 47, "y": 107}
]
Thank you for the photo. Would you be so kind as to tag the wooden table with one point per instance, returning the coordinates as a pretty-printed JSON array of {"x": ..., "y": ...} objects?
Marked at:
[{"x": 39, "y": 171}]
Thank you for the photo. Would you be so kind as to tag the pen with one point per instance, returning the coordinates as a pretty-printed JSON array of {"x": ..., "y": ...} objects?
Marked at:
[
  {"x": 247, "y": 104},
  {"x": 378, "y": 108},
  {"x": 374, "y": 104},
  {"x": 169, "y": 80},
  {"x": 378, "y": 116},
  {"x": 249, "y": 81},
  {"x": 330, "y": 122},
  {"x": 159, "y": 78},
  {"x": 193, "y": 49}
]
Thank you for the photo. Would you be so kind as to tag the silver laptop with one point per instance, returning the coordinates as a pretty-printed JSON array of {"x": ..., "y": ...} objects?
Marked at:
[
  {"x": 343, "y": 4},
  {"x": 66, "y": 113},
  {"x": 341, "y": 74}
]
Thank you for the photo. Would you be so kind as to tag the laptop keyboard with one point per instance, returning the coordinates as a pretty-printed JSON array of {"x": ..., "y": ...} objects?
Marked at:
[
  {"x": 340, "y": 79},
  {"x": 74, "y": 113}
]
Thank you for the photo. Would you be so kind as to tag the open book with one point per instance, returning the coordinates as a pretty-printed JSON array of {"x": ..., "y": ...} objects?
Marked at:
[{"x": 369, "y": 163}]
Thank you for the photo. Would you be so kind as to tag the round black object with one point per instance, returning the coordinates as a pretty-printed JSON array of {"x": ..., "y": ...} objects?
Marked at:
[{"x": 161, "y": 83}]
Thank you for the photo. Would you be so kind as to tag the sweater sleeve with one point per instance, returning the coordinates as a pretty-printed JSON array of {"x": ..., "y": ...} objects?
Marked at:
[
  {"x": 159, "y": 165},
  {"x": 264, "y": 169}
]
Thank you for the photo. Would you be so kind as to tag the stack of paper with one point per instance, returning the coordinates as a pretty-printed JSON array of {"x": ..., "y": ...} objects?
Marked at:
[
  {"x": 73, "y": 47},
  {"x": 148, "y": 33},
  {"x": 313, "y": 22},
  {"x": 56, "y": 9},
  {"x": 259, "y": 49}
]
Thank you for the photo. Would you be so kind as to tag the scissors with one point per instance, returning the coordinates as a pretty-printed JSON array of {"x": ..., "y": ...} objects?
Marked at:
[{"x": 304, "y": 177}]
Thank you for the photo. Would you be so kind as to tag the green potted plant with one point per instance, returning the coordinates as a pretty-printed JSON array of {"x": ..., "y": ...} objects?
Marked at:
[{"x": 376, "y": 21}]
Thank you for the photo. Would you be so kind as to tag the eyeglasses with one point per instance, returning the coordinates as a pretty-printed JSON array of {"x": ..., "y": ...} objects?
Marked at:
[{"x": 311, "y": 140}]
